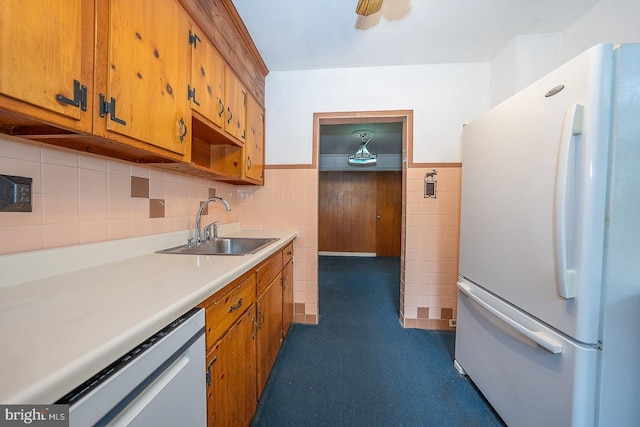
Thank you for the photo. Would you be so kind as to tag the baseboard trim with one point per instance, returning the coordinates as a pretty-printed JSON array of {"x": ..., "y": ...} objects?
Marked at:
[{"x": 361, "y": 254}]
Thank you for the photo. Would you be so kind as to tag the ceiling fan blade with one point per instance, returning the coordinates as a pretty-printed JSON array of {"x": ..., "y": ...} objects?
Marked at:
[{"x": 367, "y": 7}]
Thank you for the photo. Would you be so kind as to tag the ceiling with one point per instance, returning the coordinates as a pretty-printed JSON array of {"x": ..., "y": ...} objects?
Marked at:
[
  {"x": 316, "y": 34},
  {"x": 311, "y": 34}
]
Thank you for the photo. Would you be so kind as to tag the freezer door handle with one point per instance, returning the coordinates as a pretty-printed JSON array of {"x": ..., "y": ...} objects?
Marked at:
[
  {"x": 539, "y": 338},
  {"x": 572, "y": 126}
]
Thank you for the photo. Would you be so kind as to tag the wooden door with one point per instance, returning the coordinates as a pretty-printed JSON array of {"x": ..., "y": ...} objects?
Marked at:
[
  {"x": 148, "y": 73},
  {"x": 231, "y": 385},
  {"x": 287, "y": 298},
  {"x": 207, "y": 78},
  {"x": 347, "y": 212},
  {"x": 235, "y": 97},
  {"x": 45, "y": 47},
  {"x": 389, "y": 213},
  {"x": 254, "y": 145},
  {"x": 269, "y": 336}
]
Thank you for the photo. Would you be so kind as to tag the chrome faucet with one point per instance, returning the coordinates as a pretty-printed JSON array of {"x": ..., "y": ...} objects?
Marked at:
[{"x": 198, "y": 231}]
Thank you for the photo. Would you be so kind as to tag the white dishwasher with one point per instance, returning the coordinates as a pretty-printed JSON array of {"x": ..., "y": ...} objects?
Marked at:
[{"x": 161, "y": 382}]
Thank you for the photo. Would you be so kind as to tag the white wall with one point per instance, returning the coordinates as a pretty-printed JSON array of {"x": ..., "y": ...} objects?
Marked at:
[
  {"x": 442, "y": 97},
  {"x": 528, "y": 57},
  {"x": 524, "y": 60},
  {"x": 608, "y": 21}
]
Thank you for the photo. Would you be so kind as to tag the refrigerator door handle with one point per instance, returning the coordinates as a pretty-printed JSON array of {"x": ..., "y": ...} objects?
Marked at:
[
  {"x": 539, "y": 338},
  {"x": 572, "y": 126}
]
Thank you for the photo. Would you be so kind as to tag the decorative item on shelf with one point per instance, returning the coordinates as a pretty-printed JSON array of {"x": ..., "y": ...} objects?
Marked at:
[
  {"x": 430, "y": 184},
  {"x": 368, "y": 7},
  {"x": 363, "y": 157}
]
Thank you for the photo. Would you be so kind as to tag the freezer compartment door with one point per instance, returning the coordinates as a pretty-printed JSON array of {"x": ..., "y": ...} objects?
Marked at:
[{"x": 529, "y": 373}]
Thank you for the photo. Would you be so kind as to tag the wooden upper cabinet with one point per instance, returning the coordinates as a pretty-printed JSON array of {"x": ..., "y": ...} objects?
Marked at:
[
  {"x": 147, "y": 74},
  {"x": 141, "y": 81},
  {"x": 254, "y": 145},
  {"x": 46, "y": 60},
  {"x": 207, "y": 78},
  {"x": 235, "y": 96}
]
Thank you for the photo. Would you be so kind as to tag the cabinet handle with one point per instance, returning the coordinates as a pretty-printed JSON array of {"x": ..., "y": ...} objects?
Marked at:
[
  {"x": 255, "y": 329},
  {"x": 221, "y": 112},
  {"x": 209, "y": 369},
  {"x": 248, "y": 162},
  {"x": 230, "y": 115},
  {"x": 236, "y": 306},
  {"x": 181, "y": 126}
]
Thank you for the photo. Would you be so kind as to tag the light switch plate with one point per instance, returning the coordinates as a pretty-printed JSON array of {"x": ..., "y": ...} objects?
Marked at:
[{"x": 15, "y": 193}]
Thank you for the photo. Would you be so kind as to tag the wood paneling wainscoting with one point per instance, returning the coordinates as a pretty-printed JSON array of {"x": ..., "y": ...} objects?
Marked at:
[{"x": 360, "y": 212}]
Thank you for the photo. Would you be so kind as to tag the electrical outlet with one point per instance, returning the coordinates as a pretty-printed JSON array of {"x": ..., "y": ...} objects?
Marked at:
[
  {"x": 15, "y": 193},
  {"x": 452, "y": 323}
]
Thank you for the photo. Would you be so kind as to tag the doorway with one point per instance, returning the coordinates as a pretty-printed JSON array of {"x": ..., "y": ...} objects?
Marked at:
[{"x": 360, "y": 209}]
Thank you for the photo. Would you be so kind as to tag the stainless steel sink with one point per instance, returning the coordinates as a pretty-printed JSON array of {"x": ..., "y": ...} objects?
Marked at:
[{"x": 223, "y": 246}]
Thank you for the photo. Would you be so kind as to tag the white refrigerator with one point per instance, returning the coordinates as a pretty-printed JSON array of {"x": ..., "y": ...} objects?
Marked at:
[{"x": 548, "y": 318}]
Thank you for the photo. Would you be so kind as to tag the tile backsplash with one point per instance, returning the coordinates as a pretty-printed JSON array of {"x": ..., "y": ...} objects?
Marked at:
[{"x": 82, "y": 198}]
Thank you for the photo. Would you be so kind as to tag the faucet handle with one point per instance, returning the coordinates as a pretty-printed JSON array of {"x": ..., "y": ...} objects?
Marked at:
[
  {"x": 211, "y": 231},
  {"x": 193, "y": 241}
]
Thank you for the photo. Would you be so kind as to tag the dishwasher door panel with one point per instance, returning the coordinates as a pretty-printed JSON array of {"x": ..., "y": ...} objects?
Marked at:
[
  {"x": 149, "y": 408},
  {"x": 159, "y": 382}
]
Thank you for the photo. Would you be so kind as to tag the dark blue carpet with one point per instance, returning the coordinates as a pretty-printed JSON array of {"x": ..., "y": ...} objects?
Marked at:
[{"x": 359, "y": 367}]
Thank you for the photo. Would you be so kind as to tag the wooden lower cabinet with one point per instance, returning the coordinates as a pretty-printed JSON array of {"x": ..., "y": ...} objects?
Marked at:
[
  {"x": 231, "y": 375},
  {"x": 246, "y": 323},
  {"x": 269, "y": 336},
  {"x": 287, "y": 298}
]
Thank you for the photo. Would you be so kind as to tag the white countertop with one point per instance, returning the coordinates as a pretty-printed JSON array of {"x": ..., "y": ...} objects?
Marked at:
[{"x": 60, "y": 327}]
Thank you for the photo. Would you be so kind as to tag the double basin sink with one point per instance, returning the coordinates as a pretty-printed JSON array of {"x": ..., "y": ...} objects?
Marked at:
[{"x": 223, "y": 246}]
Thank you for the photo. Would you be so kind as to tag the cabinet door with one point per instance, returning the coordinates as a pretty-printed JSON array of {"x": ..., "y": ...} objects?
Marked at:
[
  {"x": 45, "y": 47},
  {"x": 235, "y": 111},
  {"x": 148, "y": 73},
  {"x": 231, "y": 376},
  {"x": 287, "y": 297},
  {"x": 207, "y": 78},
  {"x": 269, "y": 337},
  {"x": 254, "y": 145}
]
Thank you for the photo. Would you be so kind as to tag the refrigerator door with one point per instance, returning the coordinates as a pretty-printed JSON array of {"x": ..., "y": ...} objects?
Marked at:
[
  {"x": 620, "y": 370},
  {"x": 533, "y": 195},
  {"x": 531, "y": 378}
]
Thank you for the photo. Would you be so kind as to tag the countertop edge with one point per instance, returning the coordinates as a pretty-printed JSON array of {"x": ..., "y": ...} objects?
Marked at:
[{"x": 60, "y": 381}]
